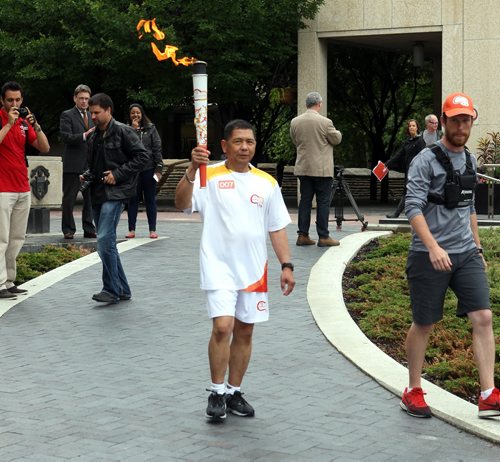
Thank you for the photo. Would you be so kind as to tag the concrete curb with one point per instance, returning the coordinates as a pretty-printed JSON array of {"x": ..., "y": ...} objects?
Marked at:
[
  {"x": 46, "y": 280},
  {"x": 325, "y": 297}
]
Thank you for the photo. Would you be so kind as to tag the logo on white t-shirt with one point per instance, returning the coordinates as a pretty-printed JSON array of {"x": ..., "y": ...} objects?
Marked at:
[
  {"x": 261, "y": 305},
  {"x": 226, "y": 184},
  {"x": 257, "y": 200}
]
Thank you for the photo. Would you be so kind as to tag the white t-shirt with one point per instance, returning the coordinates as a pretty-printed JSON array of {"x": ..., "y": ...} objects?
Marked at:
[{"x": 238, "y": 212}]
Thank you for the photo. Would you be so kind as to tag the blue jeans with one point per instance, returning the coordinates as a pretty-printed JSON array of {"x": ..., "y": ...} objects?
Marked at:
[
  {"x": 106, "y": 217},
  {"x": 146, "y": 185},
  {"x": 322, "y": 188}
]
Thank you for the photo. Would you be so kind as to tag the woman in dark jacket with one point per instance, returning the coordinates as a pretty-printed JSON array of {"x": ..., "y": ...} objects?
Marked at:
[
  {"x": 151, "y": 174},
  {"x": 402, "y": 159}
]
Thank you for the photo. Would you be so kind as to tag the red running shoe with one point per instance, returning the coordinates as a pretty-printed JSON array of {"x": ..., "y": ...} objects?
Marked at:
[
  {"x": 414, "y": 404},
  {"x": 490, "y": 407}
]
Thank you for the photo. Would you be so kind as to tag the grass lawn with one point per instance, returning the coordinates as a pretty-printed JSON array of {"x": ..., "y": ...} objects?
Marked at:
[
  {"x": 377, "y": 297},
  {"x": 32, "y": 265}
]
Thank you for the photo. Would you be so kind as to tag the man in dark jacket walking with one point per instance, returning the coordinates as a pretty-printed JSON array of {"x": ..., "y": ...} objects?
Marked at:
[
  {"x": 75, "y": 127},
  {"x": 116, "y": 156}
]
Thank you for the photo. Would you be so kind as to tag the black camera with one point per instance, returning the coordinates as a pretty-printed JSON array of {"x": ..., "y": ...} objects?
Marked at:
[
  {"x": 23, "y": 112},
  {"x": 88, "y": 179}
]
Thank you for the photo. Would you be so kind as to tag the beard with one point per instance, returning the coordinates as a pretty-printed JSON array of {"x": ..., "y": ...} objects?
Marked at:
[{"x": 457, "y": 140}]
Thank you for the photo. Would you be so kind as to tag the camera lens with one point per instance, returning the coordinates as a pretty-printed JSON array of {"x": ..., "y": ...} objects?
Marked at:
[{"x": 23, "y": 112}]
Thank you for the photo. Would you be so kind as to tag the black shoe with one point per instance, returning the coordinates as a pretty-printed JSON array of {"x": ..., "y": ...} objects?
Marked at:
[
  {"x": 17, "y": 290},
  {"x": 90, "y": 235},
  {"x": 104, "y": 297},
  {"x": 392, "y": 215},
  {"x": 4, "y": 293},
  {"x": 125, "y": 296},
  {"x": 216, "y": 409},
  {"x": 239, "y": 405},
  {"x": 68, "y": 235}
]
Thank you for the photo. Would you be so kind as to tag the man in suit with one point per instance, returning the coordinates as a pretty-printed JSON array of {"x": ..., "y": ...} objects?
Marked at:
[
  {"x": 314, "y": 136},
  {"x": 74, "y": 128}
]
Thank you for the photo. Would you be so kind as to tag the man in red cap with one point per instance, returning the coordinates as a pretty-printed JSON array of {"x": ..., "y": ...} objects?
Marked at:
[{"x": 446, "y": 252}]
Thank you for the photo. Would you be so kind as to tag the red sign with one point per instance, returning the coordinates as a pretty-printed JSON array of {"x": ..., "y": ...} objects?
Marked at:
[{"x": 380, "y": 171}]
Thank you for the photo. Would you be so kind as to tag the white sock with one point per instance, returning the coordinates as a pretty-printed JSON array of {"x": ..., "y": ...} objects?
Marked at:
[
  {"x": 408, "y": 389},
  {"x": 219, "y": 388},
  {"x": 230, "y": 389},
  {"x": 486, "y": 393}
]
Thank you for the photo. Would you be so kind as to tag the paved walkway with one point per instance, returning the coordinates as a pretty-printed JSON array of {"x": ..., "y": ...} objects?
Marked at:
[{"x": 127, "y": 383}]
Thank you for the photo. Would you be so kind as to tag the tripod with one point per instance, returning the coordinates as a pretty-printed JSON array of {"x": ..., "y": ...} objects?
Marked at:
[{"x": 341, "y": 190}]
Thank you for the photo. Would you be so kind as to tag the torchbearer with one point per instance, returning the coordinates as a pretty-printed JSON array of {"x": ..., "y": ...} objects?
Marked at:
[
  {"x": 240, "y": 206},
  {"x": 200, "y": 111}
]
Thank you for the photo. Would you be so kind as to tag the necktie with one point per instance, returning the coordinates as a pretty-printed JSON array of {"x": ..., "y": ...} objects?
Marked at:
[{"x": 85, "y": 120}]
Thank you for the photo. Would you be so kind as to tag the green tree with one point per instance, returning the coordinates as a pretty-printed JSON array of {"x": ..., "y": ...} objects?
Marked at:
[
  {"x": 374, "y": 92},
  {"x": 50, "y": 46}
]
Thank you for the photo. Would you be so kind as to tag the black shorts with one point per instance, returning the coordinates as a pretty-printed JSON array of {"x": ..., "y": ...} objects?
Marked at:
[{"x": 467, "y": 279}]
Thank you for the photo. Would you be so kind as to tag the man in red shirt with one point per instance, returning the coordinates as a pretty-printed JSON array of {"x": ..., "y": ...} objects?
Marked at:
[{"x": 15, "y": 195}]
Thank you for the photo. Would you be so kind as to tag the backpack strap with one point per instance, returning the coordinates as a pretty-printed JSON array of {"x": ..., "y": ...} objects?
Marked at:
[
  {"x": 444, "y": 160},
  {"x": 26, "y": 142},
  {"x": 468, "y": 160}
]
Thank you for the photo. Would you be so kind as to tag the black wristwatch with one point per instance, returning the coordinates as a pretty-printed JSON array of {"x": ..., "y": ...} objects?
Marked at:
[
  {"x": 480, "y": 250},
  {"x": 287, "y": 265}
]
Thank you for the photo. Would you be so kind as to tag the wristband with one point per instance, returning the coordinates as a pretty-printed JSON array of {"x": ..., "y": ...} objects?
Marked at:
[
  {"x": 480, "y": 250},
  {"x": 187, "y": 178},
  {"x": 287, "y": 265}
]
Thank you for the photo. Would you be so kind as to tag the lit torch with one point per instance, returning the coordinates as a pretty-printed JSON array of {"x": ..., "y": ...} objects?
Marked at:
[
  {"x": 199, "y": 83},
  {"x": 170, "y": 52},
  {"x": 200, "y": 111}
]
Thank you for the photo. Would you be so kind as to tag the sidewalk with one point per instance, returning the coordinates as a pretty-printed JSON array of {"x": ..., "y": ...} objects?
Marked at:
[{"x": 127, "y": 383}]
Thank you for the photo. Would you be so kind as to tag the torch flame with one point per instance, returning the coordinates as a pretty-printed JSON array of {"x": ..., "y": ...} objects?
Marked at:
[{"x": 150, "y": 26}]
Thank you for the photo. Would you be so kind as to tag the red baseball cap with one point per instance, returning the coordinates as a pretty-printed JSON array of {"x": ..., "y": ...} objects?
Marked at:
[{"x": 458, "y": 103}]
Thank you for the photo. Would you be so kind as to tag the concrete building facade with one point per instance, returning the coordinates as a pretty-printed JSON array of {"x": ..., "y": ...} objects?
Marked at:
[{"x": 462, "y": 37}]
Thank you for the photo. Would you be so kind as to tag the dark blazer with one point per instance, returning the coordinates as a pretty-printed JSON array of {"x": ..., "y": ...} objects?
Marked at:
[{"x": 71, "y": 129}]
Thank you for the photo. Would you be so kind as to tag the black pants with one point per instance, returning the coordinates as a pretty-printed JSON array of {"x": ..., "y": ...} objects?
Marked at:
[
  {"x": 71, "y": 183},
  {"x": 401, "y": 206},
  {"x": 322, "y": 188},
  {"x": 146, "y": 187}
]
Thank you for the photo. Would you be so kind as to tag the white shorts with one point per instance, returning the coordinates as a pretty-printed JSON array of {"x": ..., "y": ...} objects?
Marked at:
[{"x": 247, "y": 307}]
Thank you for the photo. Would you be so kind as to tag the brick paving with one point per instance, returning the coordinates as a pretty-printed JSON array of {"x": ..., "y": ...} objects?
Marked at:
[{"x": 127, "y": 382}]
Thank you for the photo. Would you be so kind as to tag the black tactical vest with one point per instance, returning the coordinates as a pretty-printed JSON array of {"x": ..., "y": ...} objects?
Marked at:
[{"x": 458, "y": 189}]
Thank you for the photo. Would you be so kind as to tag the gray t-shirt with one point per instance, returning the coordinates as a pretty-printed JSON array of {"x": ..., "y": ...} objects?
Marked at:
[
  {"x": 450, "y": 227},
  {"x": 431, "y": 137}
]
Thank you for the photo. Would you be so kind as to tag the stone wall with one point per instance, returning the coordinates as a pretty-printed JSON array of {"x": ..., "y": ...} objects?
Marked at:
[
  {"x": 462, "y": 38},
  {"x": 358, "y": 180}
]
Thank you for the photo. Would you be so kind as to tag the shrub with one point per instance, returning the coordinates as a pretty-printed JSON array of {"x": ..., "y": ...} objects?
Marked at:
[{"x": 32, "y": 265}]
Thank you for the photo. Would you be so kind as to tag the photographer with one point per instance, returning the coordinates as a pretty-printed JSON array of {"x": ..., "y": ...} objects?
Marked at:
[
  {"x": 116, "y": 156},
  {"x": 18, "y": 129}
]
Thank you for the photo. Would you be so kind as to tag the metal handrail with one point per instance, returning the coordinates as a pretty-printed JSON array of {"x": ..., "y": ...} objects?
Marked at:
[{"x": 489, "y": 178}]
